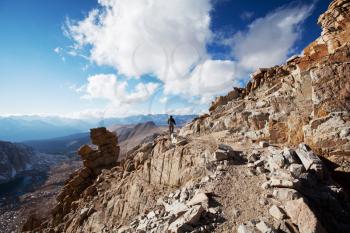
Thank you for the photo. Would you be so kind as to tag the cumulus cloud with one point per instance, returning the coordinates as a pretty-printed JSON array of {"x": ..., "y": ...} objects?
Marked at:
[
  {"x": 209, "y": 78},
  {"x": 268, "y": 41},
  {"x": 168, "y": 39},
  {"x": 107, "y": 87},
  {"x": 165, "y": 38}
]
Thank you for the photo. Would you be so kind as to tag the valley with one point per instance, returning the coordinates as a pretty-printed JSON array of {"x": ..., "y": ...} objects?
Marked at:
[{"x": 50, "y": 163}]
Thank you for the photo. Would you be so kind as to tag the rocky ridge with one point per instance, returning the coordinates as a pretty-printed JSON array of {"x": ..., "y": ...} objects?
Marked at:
[
  {"x": 305, "y": 100},
  {"x": 251, "y": 165}
]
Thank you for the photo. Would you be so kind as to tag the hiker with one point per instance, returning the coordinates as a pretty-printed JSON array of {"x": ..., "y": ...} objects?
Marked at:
[{"x": 171, "y": 123}]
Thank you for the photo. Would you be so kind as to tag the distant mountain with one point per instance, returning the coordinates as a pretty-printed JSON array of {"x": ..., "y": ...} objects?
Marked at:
[
  {"x": 158, "y": 119},
  {"x": 28, "y": 128},
  {"x": 129, "y": 136},
  {"x": 19, "y": 129}
]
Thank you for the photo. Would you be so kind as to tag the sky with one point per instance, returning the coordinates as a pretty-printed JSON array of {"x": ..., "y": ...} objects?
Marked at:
[{"x": 93, "y": 58}]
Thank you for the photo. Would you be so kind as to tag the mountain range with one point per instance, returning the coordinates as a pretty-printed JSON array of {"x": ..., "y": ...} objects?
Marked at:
[
  {"x": 129, "y": 136},
  {"x": 25, "y": 128}
]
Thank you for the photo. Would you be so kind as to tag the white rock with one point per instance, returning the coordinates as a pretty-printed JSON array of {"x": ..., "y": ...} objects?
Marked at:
[
  {"x": 176, "y": 208},
  {"x": 309, "y": 159},
  {"x": 205, "y": 179},
  {"x": 263, "y": 227},
  {"x": 183, "y": 195},
  {"x": 276, "y": 212},
  {"x": 191, "y": 217},
  {"x": 263, "y": 144},
  {"x": 151, "y": 215},
  {"x": 246, "y": 228},
  {"x": 199, "y": 198},
  {"x": 279, "y": 183},
  {"x": 276, "y": 161},
  {"x": 214, "y": 210},
  {"x": 296, "y": 169},
  {"x": 289, "y": 155},
  {"x": 259, "y": 163},
  {"x": 344, "y": 133},
  {"x": 285, "y": 194}
]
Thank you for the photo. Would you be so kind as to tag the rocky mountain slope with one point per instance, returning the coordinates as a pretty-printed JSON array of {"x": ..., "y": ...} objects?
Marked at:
[
  {"x": 256, "y": 163},
  {"x": 305, "y": 100},
  {"x": 14, "y": 159},
  {"x": 129, "y": 137}
]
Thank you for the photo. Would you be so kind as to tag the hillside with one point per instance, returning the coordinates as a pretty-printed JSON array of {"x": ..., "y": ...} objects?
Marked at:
[
  {"x": 259, "y": 162},
  {"x": 14, "y": 159},
  {"x": 129, "y": 137}
]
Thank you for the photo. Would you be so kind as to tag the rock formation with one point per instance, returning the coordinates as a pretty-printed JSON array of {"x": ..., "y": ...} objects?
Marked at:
[
  {"x": 305, "y": 100},
  {"x": 105, "y": 156},
  {"x": 251, "y": 165}
]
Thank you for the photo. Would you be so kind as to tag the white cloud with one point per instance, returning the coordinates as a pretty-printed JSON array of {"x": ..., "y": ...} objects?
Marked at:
[
  {"x": 168, "y": 39},
  {"x": 210, "y": 78},
  {"x": 163, "y": 100},
  {"x": 104, "y": 112},
  {"x": 107, "y": 87},
  {"x": 136, "y": 37},
  {"x": 57, "y": 50},
  {"x": 181, "y": 111},
  {"x": 269, "y": 40}
]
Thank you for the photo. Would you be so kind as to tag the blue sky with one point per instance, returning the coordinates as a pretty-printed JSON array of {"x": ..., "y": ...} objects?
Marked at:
[{"x": 84, "y": 58}]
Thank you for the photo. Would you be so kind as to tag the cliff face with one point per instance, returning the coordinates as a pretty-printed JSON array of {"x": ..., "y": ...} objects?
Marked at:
[
  {"x": 243, "y": 168},
  {"x": 305, "y": 100},
  {"x": 14, "y": 159}
]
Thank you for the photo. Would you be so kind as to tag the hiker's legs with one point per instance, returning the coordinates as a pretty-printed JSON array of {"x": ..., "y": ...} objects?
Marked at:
[{"x": 171, "y": 129}]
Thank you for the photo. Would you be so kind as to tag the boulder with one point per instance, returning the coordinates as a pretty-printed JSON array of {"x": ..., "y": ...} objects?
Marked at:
[
  {"x": 263, "y": 227},
  {"x": 289, "y": 155},
  {"x": 303, "y": 216},
  {"x": 199, "y": 198},
  {"x": 276, "y": 161},
  {"x": 191, "y": 217},
  {"x": 309, "y": 159},
  {"x": 276, "y": 212},
  {"x": 285, "y": 194},
  {"x": 176, "y": 208}
]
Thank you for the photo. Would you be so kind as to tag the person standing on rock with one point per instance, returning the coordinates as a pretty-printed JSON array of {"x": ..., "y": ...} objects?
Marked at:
[{"x": 171, "y": 123}]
